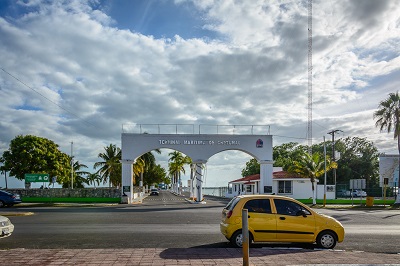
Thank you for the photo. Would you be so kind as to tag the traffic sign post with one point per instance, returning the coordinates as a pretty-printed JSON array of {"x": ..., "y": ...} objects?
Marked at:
[{"x": 30, "y": 178}]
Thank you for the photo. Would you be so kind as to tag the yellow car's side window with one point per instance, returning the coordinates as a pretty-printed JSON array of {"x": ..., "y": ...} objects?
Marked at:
[
  {"x": 286, "y": 207},
  {"x": 258, "y": 205}
]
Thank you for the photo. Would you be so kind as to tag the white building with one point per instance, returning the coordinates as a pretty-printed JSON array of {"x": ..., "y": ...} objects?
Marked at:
[{"x": 284, "y": 183}]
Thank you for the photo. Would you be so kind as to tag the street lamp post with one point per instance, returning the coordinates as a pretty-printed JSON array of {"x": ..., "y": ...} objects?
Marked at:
[{"x": 333, "y": 154}]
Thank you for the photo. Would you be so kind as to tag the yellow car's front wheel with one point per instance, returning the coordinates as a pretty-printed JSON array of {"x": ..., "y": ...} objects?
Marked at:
[{"x": 326, "y": 239}]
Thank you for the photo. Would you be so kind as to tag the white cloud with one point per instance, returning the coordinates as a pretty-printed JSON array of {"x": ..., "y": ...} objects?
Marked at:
[{"x": 96, "y": 77}]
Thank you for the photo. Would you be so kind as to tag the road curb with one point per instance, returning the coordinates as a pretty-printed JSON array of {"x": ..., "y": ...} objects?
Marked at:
[{"x": 9, "y": 214}]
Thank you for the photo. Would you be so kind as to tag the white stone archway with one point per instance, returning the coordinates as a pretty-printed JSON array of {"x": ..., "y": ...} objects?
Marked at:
[{"x": 199, "y": 147}]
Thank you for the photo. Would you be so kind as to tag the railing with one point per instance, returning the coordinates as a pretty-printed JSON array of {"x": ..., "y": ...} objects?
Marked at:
[
  {"x": 202, "y": 129},
  {"x": 215, "y": 191}
]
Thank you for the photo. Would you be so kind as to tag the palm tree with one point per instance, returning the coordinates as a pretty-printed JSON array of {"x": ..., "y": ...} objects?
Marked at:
[
  {"x": 311, "y": 166},
  {"x": 176, "y": 167},
  {"x": 138, "y": 168},
  {"x": 388, "y": 118},
  {"x": 78, "y": 176},
  {"x": 149, "y": 161},
  {"x": 110, "y": 168},
  {"x": 3, "y": 170},
  {"x": 93, "y": 178}
]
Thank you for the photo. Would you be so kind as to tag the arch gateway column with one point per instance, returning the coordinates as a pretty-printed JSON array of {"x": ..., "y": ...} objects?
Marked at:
[
  {"x": 127, "y": 175},
  {"x": 198, "y": 180},
  {"x": 266, "y": 169},
  {"x": 199, "y": 147}
]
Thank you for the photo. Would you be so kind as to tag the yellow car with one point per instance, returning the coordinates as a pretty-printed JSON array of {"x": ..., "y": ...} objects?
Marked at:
[{"x": 273, "y": 218}]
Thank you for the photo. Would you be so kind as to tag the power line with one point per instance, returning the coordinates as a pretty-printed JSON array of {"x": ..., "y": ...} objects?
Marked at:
[{"x": 29, "y": 87}]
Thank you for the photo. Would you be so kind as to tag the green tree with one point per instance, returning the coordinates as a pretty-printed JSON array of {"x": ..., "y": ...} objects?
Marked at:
[
  {"x": 359, "y": 159},
  {"x": 286, "y": 153},
  {"x": 283, "y": 156},
  {"x": 311, "y": 166},
  {"x": 252, "y": 168},
  {"x": 155, "y": 175},
  {"x": 111, "y": 167},
  {"x": 32, "y": 154}
]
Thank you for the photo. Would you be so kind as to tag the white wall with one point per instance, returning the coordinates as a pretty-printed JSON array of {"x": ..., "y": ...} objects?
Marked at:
[
  {"x": 329, "y": 194},
  {"x": 301, "y": 189}
]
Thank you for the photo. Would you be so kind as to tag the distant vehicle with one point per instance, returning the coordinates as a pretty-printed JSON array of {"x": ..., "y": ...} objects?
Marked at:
[
  {"x": 273, "y": 218},
  {"x": 6, "y": 227},
  {"x": 354, "y": 193},
  {"x": 359, "y": 193},
  {"x": 9, "y": 199},
  {"x": 154, "y": 191}
]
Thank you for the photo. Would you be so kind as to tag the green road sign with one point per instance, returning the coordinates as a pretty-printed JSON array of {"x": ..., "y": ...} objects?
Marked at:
[{"x": 36, "y": 178}]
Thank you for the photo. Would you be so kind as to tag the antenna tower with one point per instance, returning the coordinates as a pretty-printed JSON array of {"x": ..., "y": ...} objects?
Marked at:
[{"x": 310, "y": 67}]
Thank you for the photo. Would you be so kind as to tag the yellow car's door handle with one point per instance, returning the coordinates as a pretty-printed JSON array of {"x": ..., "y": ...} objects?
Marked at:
[{"x": 282, "y": 218}]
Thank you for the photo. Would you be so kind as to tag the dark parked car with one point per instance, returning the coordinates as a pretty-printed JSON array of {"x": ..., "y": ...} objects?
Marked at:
[{"x": 8, "y": 198}]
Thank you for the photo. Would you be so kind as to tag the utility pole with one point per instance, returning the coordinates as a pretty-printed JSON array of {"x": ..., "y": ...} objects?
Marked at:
[
  {"x": 325, "y": 172},
  {"x": 333, "y": 154},
  {"x": 310, "y": 69}
]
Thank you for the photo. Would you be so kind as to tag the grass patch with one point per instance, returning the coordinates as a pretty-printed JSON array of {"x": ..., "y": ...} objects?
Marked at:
[
  {"x": 355, "y": 201},
  {"x": 69, "y": 200}
]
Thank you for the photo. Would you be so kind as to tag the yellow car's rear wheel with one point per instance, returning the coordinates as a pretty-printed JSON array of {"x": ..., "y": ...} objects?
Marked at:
[{"x": 237, "y": 239}]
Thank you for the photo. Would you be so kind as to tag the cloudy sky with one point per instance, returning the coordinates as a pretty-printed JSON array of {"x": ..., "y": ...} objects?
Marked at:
[{"x": 82, "y": 71}]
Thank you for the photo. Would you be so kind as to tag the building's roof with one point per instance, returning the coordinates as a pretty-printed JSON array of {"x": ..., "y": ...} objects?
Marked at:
[
  {"x": 247, "y": 179},
  {"x": 256, "y": 177},
  {"x": 284, "y": 174}
]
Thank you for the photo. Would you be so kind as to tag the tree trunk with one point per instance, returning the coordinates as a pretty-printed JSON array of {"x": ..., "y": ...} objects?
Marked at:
[{"x": 313, "y": 191}]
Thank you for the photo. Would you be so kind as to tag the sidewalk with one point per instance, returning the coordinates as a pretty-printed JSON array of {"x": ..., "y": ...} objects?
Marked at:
[{"x": 191, "y": 256}]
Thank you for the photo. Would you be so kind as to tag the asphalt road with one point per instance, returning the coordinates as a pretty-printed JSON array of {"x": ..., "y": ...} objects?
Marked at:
[{"x": 168, "y": 221}]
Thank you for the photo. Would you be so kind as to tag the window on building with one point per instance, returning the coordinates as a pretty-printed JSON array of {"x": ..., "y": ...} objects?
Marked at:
[
  {"x": 267, "y": 189},
  {"x": 285, "y": 187},
  {"x": 248, "y": 188}
]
